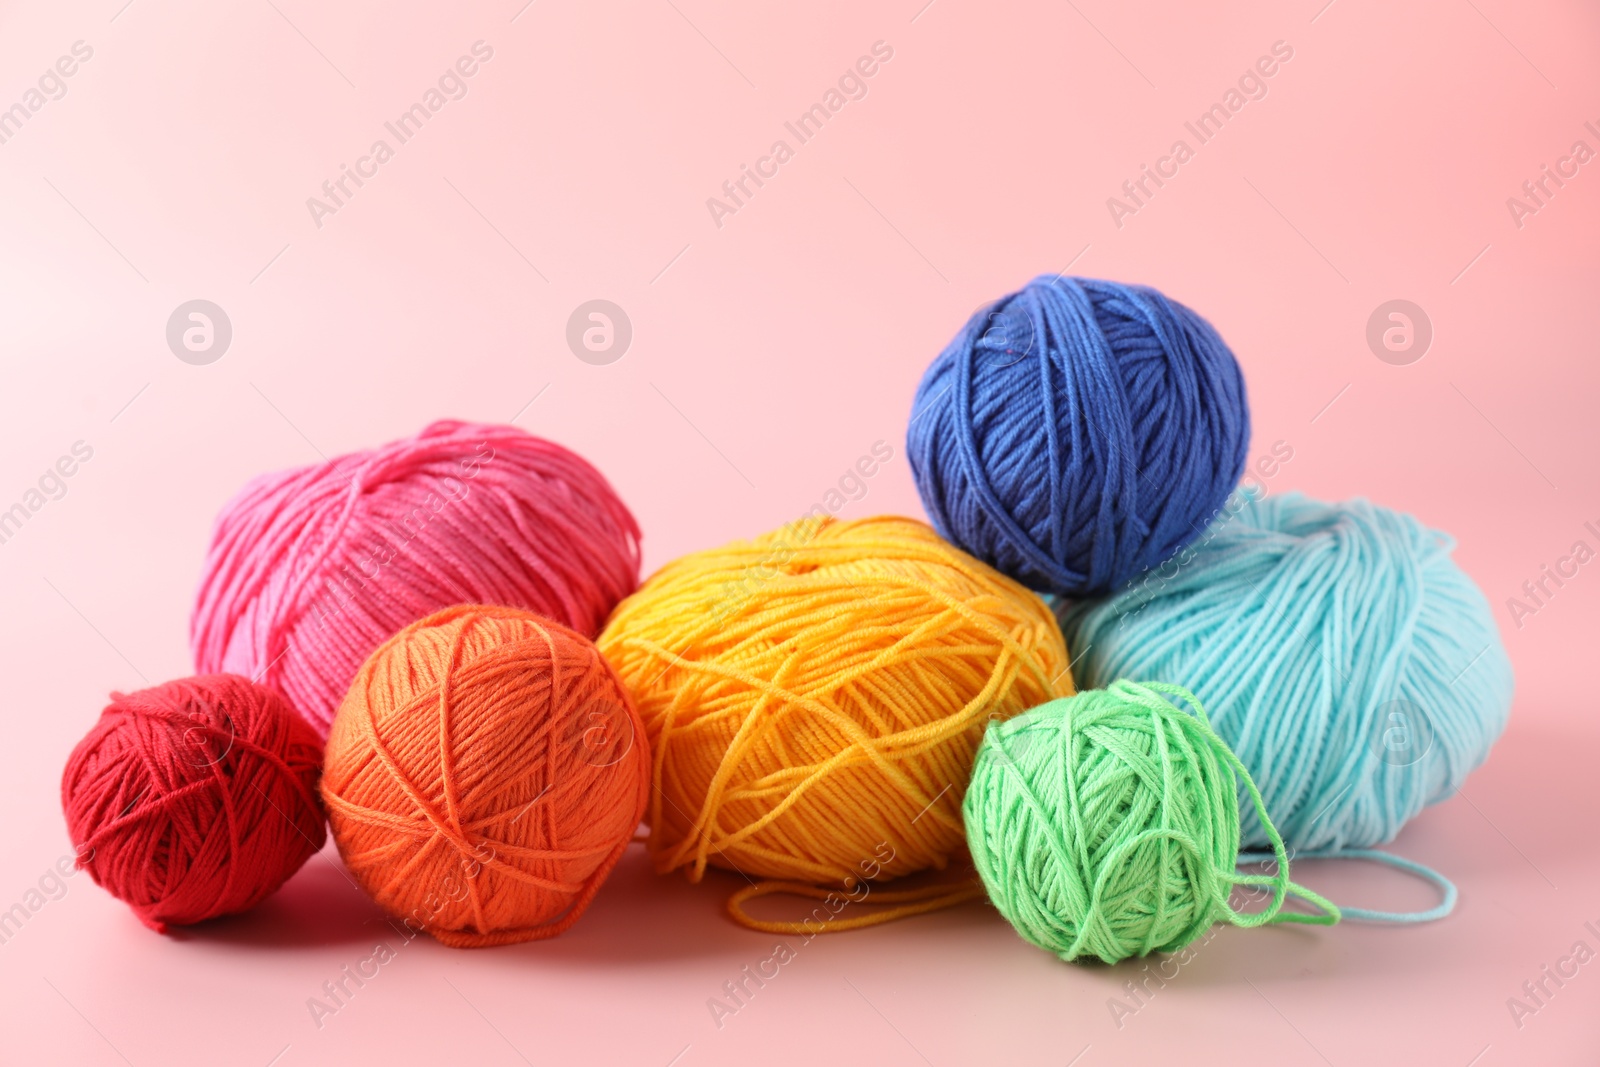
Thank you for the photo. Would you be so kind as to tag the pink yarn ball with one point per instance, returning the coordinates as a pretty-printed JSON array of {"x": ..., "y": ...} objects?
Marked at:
[{"x": 309, "y": 570}]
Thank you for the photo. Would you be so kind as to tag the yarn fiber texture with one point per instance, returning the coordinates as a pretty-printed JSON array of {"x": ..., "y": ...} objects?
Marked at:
[
  {"x": 484, "y": 774},
  {"x": 194, "y": 799},
  {"x": 1353, "y": 666},
  {"x": 814, "y": 698},
  {"x": 311, "y": 569},
  {"x": 1078, "y": 431},
  {"x": 1106, "y": 824}
]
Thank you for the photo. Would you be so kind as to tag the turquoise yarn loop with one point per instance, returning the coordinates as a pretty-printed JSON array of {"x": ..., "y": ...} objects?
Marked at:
[
  {"x": 1346, "y": 659},
  {"x": 1106, "y": 824},
  {"x": 1447, "y": 889}
]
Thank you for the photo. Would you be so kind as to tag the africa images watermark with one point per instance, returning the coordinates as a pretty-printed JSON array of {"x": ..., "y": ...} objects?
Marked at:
[
  {"x": 1252, "y": 85},
  {"x": 1552, "y": 578},
  {"x": 452, "y": 85},
  {"x": 852, "y": 85},
  {"x": 1253, "y": 487},
  {"x": 739, "y": 991},
  {"x": 851, "y": 486},
  {"x": 599, "y": 332},
  {"x": 50, "y": 886},
  {"x": 52, "y": 485},
  {"x": 1139, "y": 991},
  {"x": 1399, "y": 332},
  {"x": 199, "y": 332},
  {"x": 1539, "y": 991},
  {"x": 1538, "y": 191},
  {"x": 51, "y": 85},
  {"x": 339, "y": 991},
  {"x": 370, "y": 561},
  {"x": 595, "y": 734}
]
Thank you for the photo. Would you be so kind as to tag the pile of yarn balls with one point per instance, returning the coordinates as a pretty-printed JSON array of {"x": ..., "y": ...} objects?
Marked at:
[{"x": 1103, "y": 669}]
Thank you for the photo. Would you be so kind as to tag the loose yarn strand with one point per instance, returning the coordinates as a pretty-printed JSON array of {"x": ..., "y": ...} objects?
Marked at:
[
  {"x": 1282, "y": 887},
  {"x": 908, "y": 902},
  {"x": 1447, "y": 889}
]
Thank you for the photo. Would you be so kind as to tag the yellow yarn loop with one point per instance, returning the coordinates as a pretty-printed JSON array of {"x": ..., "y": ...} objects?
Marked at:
[
  {"x": 903, "y": 903},
  {"x": 814, "y": 699}
]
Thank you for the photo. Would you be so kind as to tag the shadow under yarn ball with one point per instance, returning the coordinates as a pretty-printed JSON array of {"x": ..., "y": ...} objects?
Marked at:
[
  {"x": 1354, "y": 668},
  {"x": 484, "y": 774},
  {"x": 194, "y": 799},
  {"x": 1077, "y": 432},
  {"x": 311, "y": 569}
]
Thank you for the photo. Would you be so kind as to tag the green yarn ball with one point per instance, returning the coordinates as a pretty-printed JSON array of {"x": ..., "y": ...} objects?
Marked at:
[{"x": 1107, "y": 824}]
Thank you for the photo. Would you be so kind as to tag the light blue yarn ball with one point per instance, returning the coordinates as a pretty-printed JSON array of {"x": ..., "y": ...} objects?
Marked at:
[{"x": 1353, "y": 667}]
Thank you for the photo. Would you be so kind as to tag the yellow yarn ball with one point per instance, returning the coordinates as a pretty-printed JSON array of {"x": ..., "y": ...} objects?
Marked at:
[{"x": 821, "y": 690}]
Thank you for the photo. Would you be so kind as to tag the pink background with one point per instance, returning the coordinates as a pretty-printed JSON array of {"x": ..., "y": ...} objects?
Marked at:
[{"x": 768, "y": 354}]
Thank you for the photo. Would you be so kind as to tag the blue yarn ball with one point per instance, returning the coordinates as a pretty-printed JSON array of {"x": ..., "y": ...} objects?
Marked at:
[
  {"x": 1341, "y": 653},
  {"x": 1077, "y": 432}
]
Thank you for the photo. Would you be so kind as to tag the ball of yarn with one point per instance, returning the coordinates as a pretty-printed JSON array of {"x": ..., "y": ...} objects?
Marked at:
[
  {"x": 309, "y": 570},
  {"x": 484, "y": 774},
  {"x": 194, "y": 799},
  {"x": 1354, "y": 668},
  {"x": 814, "y": 697},
  {"x": 1106, "y": 824},
  {"x": 1077, "y": 432}
]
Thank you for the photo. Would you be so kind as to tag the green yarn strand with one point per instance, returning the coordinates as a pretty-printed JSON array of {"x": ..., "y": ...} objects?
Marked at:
[{"x": 1106, "y": 824}]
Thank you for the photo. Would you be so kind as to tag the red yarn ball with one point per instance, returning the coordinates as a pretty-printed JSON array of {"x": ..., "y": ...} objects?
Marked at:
[{"x": 194, "y": 799}]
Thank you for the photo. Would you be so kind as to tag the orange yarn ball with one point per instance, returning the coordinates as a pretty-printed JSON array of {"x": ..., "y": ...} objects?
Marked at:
[
  {"x": 484, "y": 773},
  {"x": 814, "y": 697}
]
